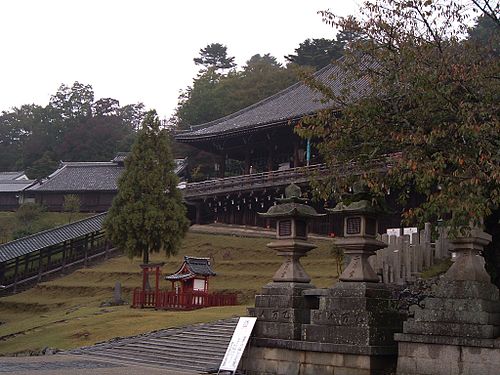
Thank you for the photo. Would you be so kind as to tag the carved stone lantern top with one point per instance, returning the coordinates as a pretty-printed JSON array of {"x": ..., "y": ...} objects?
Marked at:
[
  {"x": 293, "y": 205},
  {"x": 360, "y": 235},
  {"x": 292, "y": 216}
]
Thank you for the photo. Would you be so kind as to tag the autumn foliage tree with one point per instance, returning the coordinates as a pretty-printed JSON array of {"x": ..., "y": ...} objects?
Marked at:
[{"x": 422, "y": 103}]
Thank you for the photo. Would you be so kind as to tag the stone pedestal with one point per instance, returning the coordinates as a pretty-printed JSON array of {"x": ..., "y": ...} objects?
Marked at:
[
  {"x": 281, "y": 310},
  {"x": 357, "y": 314},
  {"x": 459, "y": 324}
]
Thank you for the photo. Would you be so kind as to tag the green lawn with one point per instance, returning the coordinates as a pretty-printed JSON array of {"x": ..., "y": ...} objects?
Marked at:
[{"x": 66, "y": 313}]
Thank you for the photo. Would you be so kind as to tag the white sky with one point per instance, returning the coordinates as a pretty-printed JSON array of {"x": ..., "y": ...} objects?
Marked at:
[{"x": 141, "y": 50}]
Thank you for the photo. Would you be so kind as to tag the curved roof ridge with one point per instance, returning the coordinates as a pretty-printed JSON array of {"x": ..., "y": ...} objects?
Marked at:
[{"x": 260, "y": 102}]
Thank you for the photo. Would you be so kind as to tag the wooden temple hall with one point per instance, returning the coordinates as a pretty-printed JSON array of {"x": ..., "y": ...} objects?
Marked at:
[{"x": 262, "y": 138}]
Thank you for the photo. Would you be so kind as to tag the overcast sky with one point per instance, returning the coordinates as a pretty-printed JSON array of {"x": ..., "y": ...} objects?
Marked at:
[{"x": 141, "y": 50}]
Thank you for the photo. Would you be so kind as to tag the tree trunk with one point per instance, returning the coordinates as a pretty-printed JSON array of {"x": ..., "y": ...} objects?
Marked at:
[{"x": 145, "y": 256}]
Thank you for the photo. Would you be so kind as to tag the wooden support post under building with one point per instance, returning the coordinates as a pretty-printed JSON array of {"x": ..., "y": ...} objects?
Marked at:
[
  {"x": 2, "y": 273},
  {"x": 16, "y": 274},
  {"x": 26, "y": 263},
  {"x": 40, "y": 265},
  {"x": 197, "y": 207},
  {"x": 86, "y": 249},
  {"x": 63, "y": 260},
  {"x": 106, "y": 249}
]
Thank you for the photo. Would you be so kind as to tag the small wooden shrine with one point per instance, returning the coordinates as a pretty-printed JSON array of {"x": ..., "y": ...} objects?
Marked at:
[
  {"x": 192, "y": 275},
  {"x": 189, "y": 287}
]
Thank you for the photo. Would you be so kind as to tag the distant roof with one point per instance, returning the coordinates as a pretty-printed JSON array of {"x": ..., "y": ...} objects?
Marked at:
[
  {"x": 90, "y": 176},
  {"x": 180, "y": 165},
  {"x": 82, "y": 176},
  {"x": 34, "y": 242},
  {"x": 12, "y": 176},
  {"x": 120, "y": 157},
  {"x": 14, "y": 186},
  {"x": 292, "y": 103},
  {"x": 192, "y": 267}
]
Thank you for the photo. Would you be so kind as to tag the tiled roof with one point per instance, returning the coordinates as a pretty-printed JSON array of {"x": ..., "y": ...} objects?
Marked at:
[
  {"x": 83, "y": 176},
  {"x": 292, "y": 103},
  {"x": 12, "y": 176},
  {"x": 41, "y": 240},
  {"x": 195, "y": 266},
  {"x": 14, "y": 186}
]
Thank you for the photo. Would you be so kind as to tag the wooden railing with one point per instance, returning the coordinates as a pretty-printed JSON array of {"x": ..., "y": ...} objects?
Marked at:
[
  {"x": 171, "y": 300},
  {"x": 253, "y": 181}
]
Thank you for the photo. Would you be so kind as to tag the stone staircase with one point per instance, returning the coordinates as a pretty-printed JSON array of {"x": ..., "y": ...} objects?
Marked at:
[{"x": 194, "y": 349}]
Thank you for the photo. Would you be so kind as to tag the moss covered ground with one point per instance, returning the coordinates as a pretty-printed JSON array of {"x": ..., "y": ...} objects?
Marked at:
[{"x": 65, "y": 312}]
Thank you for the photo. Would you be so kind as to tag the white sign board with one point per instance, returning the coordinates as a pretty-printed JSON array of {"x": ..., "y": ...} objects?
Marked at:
[{"x": 237, "y": 344}]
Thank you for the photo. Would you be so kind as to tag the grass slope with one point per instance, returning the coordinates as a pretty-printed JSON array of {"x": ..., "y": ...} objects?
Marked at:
[{"x": 66, "y": 313}]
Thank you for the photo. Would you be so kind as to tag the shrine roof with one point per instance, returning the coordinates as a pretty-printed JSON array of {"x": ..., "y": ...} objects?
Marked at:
[
  {"x": 293, "y": 103},
  {"x": 192, "y": 267},
  {"x": 46, "y": 238}
]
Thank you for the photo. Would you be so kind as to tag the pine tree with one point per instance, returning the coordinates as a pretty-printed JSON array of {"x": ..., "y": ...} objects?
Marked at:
[{"x": 147, "y": 214}]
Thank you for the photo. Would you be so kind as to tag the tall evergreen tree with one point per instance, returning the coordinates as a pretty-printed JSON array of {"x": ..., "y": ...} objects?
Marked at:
[{"x": 147, "y": 215}]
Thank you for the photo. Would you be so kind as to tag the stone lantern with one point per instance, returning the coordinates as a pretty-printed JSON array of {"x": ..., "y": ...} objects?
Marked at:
[
  {"x": 281, "y": 308},
  {"x": 292, "y": 216},
  {"x": 359, "y": 240}
]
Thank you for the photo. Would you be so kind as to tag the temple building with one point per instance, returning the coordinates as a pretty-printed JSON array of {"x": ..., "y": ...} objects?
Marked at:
[
  {"x": 12, "y": 187},
  {"x": 95, "y": 183},
  {"x": 262, "y": 138}
]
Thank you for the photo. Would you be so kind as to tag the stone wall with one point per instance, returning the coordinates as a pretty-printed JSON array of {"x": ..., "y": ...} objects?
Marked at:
[
  {"x": 281, "y": 361},
  {"x": 444, "y": 359}
]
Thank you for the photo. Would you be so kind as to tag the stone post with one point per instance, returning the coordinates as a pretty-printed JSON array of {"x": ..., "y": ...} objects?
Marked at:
[{"x": 456, "y": 331}]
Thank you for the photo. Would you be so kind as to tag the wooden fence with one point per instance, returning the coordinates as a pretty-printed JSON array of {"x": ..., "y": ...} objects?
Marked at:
[
  {"x": 405, "y": 256},
  {"x": 170, "y": 300}
]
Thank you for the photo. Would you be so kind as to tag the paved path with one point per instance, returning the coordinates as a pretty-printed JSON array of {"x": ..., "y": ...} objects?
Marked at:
[{"x": 75, "y": 365}]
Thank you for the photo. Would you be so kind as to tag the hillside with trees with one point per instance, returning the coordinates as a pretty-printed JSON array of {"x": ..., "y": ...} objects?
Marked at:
[{"x": 74, "y": 126}]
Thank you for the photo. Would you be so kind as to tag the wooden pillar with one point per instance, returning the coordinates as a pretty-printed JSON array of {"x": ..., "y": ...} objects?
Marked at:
[
  {"x": 295, "y": 154},
  {"x": 2, "y": 273},
  {"x": 40, "y": 265},
  {"x": 16, "y": 274},
  {"x": 86, "y": 249},
  {"x": 197, "y": 207},
  {"x": 26, "y": 263},
  {"x": 270, "y": 158},
  {"x": 106, "y": 249},
  {"x": 222, "y": 166},
  {"x": 63, "y": 261},
  {"x": 247, "y": 160}
]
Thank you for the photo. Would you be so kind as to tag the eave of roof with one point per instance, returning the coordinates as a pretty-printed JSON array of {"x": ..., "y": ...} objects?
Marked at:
[{"x": 280, "y": 109}]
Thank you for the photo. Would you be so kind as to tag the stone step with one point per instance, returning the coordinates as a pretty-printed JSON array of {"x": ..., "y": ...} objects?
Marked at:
[
  {"x": 194, "y": 348},
  {"x": 185, "y": 360},
  {"x": 144, "y": 361},
  {"x": 180, "y": 354},
  {"x": 172, "y": 347}
]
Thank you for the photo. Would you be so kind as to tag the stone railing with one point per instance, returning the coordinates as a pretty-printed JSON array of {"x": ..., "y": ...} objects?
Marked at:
[{"x": 252, "y": 181}]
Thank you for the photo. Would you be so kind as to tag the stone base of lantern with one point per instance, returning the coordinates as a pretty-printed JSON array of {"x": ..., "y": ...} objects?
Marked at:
[
  {"x": 354, "y": 313},
  {"x": 281, "y": 310},
  {"x": 456, "y": 331}
]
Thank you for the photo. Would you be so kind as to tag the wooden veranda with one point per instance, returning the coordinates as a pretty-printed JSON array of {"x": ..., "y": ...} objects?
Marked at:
[{"x": 29, "y": 260}]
